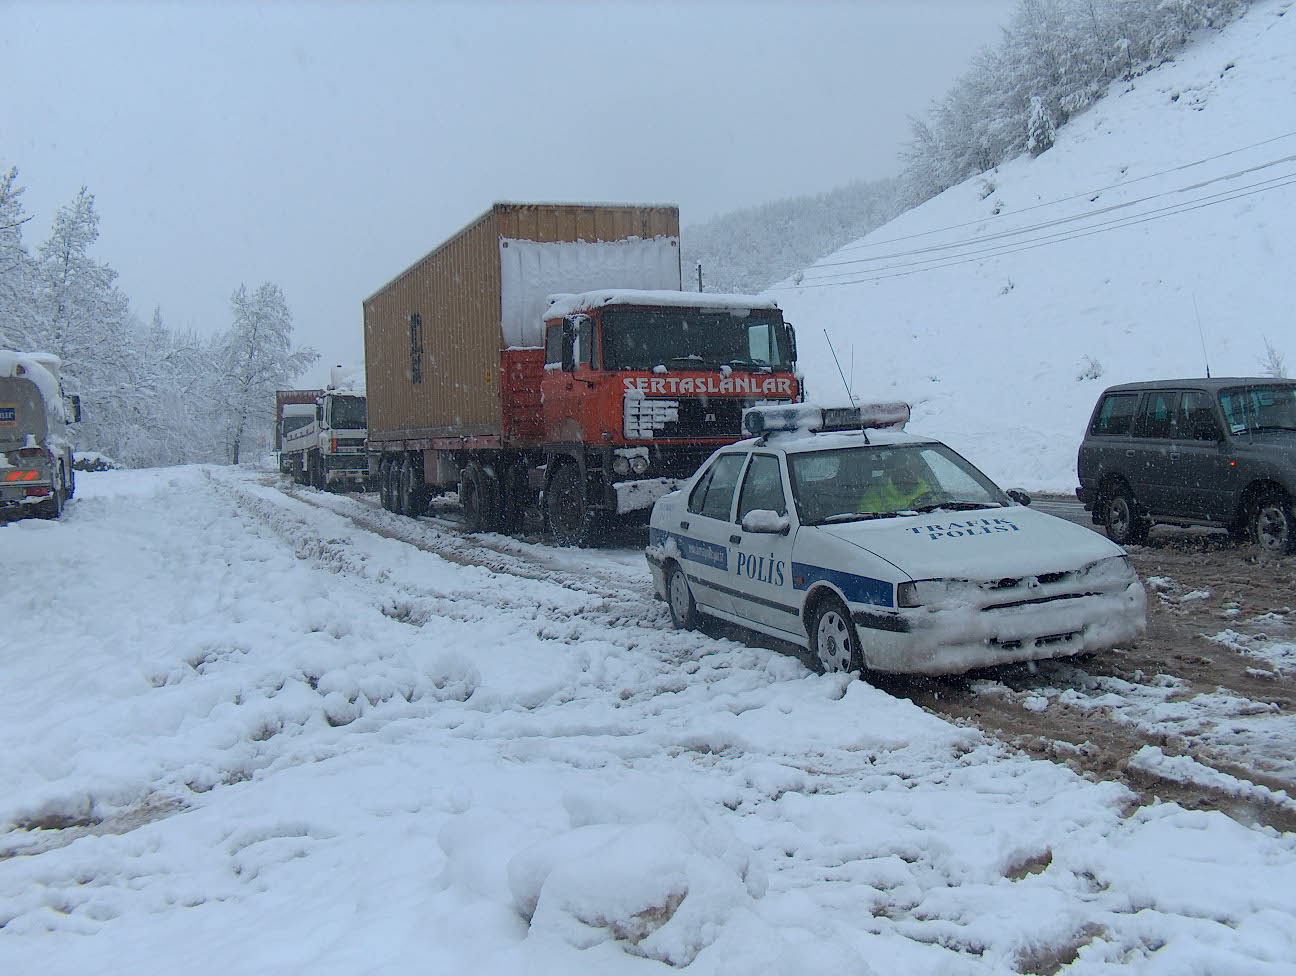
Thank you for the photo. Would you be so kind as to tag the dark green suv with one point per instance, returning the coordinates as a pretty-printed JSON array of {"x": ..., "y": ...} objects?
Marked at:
[{"x": 1219, "y": 452}]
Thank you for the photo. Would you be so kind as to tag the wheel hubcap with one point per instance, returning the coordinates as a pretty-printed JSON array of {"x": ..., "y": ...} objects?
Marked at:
[
  {"x": 1120, "y": 516},
  {"x": 1272, "y": 528},
  {"x": 679, "y": 597},
  {"x": 833, "y": 642}
]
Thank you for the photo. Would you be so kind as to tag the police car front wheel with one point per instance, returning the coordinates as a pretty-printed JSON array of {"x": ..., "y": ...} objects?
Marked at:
[
  {"x": 683, "y": 611},
  {"x": 833, "y": 638}
]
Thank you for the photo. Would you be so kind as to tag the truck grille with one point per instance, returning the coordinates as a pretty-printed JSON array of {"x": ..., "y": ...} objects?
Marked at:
[{"x": 718, "y": 417}]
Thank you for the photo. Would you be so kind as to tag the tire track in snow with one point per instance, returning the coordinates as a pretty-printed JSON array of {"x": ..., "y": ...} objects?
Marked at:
[{"x": 1089, "y": 742}]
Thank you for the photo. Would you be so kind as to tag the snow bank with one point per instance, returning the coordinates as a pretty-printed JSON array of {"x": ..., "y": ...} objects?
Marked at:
[{"x": 247, "y": 735}]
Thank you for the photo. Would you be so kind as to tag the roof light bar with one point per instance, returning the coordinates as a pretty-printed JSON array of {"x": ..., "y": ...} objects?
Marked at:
[{"x": 759, "y": 421}]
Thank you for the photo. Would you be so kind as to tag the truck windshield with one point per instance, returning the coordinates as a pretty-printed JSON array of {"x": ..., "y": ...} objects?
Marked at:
[
  {"x": 883, "y": 482},
  {"x": 690, "y": 338},
  {"x": 295, "y": 423},
  {"x": 347, "y": 413}
]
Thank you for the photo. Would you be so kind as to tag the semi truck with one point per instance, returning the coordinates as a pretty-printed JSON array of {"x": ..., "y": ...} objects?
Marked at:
[
  {"x": 545, "y": 363},
  {"x": 320, "y": 436},
  {"x": 36, "y": 472}
]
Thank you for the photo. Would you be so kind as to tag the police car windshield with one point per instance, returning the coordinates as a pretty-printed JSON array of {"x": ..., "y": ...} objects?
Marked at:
[{"x": 885, "y": 481}]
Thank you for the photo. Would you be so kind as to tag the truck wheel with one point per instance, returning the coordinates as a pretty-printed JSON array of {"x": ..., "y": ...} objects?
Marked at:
[
  {"x": 569, "y": 520},
  {"x": 477, "y": 499},
  {"x": 683, "y": 611},
  {"x": 833, "y": 637},
  {"x": 53, "y": 508},
  {"x": 318, "y": 479},
  {"x": 1271, "y": 524},
  {"x": 1124, "y": 527}
]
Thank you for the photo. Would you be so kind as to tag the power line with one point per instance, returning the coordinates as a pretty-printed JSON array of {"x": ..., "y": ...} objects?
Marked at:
[
  {"x": 1006, "y": 248},
  {"x": 1289, "y": 180},
  {"x": 1077, "y": 196},
  {"x": 1044, "y": 225}
]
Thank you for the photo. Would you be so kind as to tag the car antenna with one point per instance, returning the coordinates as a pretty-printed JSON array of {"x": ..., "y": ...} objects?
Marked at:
[
  {"x": 1201, "y": 334},
  {"x": 849, "y": 395}
]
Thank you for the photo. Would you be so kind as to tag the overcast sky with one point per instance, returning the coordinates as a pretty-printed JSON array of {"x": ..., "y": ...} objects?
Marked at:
[{"x": 326, "y": 146}]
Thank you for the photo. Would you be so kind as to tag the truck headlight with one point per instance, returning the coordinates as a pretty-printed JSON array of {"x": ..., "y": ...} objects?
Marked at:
[
  {"x": 621, "y": 465},
  {"x": 639, "y": 464}
]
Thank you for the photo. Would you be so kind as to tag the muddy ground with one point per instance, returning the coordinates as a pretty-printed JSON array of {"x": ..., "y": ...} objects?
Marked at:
[{"x": 1218, "y": 702}]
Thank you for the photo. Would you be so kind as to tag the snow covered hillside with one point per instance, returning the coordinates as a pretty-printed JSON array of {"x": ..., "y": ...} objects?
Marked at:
[
  {"x": 1003, "y": 306},
  {"x": 245, "y": 735}
]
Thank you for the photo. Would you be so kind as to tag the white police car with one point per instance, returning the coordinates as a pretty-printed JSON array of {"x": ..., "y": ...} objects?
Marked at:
[{"x": 881, "y": 549}]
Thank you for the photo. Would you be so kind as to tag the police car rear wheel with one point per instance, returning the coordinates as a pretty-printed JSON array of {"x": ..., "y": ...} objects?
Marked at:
[
  {"x": 683, "y": 611},
  {"x": 832, "y": 637}
]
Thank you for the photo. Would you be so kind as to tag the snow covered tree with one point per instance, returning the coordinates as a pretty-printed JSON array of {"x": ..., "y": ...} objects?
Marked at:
[
  {"x": 15, "y": 264},
  {"x": 1056, "y": 57},
  {"x": 257, "y": 358}
]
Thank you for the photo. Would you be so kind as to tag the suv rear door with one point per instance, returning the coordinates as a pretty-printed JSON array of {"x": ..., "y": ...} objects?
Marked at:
[{"x": 1206, "y": 480}]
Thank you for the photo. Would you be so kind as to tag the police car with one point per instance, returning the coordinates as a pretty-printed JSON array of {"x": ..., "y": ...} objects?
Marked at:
[{"x": 834, "y": 529}]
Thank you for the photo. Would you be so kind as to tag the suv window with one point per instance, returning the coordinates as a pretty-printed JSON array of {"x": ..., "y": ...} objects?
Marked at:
[
  {"x": 1197, "y": 420},
  {"x": 762, "y": 487},
  {"x": 713, "y": 496},
  {"x": 1116, "y": 414},
  {"x": 1157, "y": 418}
]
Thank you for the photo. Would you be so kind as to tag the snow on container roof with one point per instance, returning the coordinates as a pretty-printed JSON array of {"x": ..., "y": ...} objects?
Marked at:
[
  {"x": 35, "y": 367},
  {"x": 563, "y": 305}
]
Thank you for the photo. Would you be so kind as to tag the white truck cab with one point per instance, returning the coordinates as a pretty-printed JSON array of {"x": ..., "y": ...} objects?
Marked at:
[
  {"x": 874, "y": 548},
  {"x": 36, "y": 473}
]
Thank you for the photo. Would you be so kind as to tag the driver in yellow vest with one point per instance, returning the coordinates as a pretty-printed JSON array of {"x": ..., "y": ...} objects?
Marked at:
[{"x": 894, "y": 490}]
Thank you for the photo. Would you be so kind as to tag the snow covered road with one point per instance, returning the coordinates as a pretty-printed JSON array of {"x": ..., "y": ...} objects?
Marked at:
[{"x": 247, "y": 734}]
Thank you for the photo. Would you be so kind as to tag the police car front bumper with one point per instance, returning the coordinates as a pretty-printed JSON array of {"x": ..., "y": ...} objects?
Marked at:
[{"x": 953, "y": 639}]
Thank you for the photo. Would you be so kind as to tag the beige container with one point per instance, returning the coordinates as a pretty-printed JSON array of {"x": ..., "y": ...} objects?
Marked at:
[{"x": 433, "y": 334}]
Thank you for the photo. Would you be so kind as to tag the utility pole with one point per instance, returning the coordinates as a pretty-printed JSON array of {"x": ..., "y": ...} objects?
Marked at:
[{"x": 699, "y": 276}]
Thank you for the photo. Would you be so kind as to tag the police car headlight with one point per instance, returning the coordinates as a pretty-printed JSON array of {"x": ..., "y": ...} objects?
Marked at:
[
  {"x": 1112, "y": 569},
  {"x": 621, "y": 465},
  {"x": 934, "y": 592},
  {"x": 638, "y": 464}
]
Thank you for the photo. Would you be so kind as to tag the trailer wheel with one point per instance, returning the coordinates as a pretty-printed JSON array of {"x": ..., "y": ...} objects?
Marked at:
[
  {"x": 570, "y": 520},
  {"x": 384, "y": 485},
  {"x": 477, "y": 499},
  {"x": 409, "y": 494}
]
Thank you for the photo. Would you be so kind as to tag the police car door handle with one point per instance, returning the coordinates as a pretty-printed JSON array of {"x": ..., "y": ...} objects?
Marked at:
[{"x": 735, "y": 538}]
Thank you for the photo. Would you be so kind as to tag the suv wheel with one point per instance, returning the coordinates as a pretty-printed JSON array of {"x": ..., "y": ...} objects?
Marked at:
[
  {"x": 1271, "y": 524},
  {"x": 1124, "y": 527}
]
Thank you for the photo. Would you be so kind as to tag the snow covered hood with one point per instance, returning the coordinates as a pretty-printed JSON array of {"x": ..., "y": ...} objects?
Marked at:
[
  {"x": 992, "y": 543},
  {"x": 567, "y": 304}
]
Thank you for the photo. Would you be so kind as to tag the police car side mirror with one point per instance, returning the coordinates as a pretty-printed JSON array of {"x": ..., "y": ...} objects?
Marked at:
[
  {"x": 764, "y": 522},
  {"x": 1019, "y": 496}
]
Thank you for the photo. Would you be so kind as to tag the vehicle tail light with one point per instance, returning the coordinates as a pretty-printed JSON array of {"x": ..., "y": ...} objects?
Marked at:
[
  {"x": 38, "y": 491},
  {"x": 39, "y": 452},
  {"x": 333, "y": 445},
  {"x": 21, "y": 474}
]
